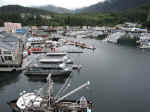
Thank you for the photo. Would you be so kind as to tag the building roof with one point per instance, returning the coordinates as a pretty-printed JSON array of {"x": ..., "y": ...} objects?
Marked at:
[{"x": 8, "y": 41}]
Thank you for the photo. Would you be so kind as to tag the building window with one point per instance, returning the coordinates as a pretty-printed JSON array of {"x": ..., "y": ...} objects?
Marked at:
[
  {"x": 8, "y": 58},
  {"x": 7, "y": 52}
]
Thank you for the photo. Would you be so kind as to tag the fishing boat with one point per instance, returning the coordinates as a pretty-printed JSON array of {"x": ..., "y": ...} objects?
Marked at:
[{"x": 33, "y": 102}]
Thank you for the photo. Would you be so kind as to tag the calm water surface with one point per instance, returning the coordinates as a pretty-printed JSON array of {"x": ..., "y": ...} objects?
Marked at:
[{"x": 119, "y": 75}]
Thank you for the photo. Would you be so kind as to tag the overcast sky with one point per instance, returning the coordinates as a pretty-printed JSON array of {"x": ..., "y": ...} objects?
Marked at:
[{"x": 71, "y": 4}]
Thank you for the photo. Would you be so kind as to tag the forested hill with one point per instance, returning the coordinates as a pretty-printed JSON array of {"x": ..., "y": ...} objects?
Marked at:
[
  {"x": 54, "y": 9},
  {"x": 24, "y": 15},
  {"x": 113, "y": 6},
  {"x": 17, "y": 9},
  {"x": 31, "y": 16}
]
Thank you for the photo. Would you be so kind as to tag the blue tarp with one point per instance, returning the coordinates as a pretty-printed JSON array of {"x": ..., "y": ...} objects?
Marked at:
[{"x": 20, "y": 30}]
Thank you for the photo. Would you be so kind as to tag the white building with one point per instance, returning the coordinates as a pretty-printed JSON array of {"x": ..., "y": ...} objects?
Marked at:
[{"x": 12, "y": 27}]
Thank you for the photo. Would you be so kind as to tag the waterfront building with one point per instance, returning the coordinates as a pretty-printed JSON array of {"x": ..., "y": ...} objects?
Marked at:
[
  {"x": 10, "y": 50},
  {"x": 12, "y": 27}
]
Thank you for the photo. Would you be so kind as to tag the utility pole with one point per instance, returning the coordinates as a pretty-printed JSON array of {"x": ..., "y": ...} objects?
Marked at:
[
  {"x": 148, "y": 16},
  {"x": 148, "y": 20}
]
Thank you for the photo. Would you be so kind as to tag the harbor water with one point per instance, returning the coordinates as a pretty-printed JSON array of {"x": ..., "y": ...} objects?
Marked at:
[{"x": 119, "y": 76}]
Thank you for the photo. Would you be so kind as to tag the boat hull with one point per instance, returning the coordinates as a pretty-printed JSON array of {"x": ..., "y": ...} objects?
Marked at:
[
  {"x": 46, "y": 73},
  {"x": 61, "y": 104}
]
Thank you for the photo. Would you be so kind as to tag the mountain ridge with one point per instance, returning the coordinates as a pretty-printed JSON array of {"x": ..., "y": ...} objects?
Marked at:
[
  {"x": 13, "y": 9},
  {"x": 112, "y": 6},
  {"x": 105, "y": 6},
  {"x": 54, "y": 9}
]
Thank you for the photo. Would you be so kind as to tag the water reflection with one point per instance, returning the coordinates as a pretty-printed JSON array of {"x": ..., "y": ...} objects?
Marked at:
[
  {"x": 58, "y": 80},
  {"x": 8, "y": 78}
]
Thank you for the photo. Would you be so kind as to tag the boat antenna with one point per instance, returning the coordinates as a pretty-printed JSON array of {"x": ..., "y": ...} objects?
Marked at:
[
  {"x": 64, "y": 87},
  {"x": 50, "y": 86},
  {"x": 73, "y": 91}
]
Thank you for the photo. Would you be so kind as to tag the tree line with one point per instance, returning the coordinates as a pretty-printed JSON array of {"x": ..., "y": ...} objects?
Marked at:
[{"x": 138, "y": 15}]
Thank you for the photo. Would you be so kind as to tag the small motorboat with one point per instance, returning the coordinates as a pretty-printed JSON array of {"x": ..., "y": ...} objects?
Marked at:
[{"x": 76, "y": 67}]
